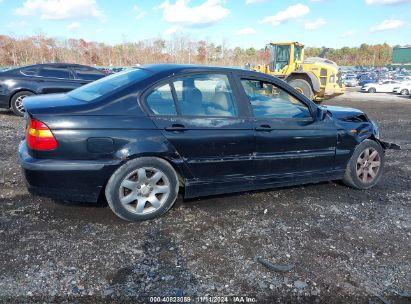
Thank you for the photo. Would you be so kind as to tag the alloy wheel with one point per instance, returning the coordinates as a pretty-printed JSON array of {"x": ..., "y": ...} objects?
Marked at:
[
  {"x": 19, "y": 103},
  {"x": 144, "y": 190},
  {"x": 368, "y": 165}
]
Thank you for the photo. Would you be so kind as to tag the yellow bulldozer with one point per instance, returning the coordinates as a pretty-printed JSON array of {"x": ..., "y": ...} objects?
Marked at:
[{"x": 315, "y": 77}]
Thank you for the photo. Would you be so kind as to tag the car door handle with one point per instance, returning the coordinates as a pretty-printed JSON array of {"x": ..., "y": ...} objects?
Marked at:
[
  {"x": 263, "y": 128},
  {"x": 175, "y": 127}
]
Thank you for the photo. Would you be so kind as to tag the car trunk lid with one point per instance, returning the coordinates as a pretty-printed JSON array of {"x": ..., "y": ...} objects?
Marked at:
[{"x": 51, "y": 104}]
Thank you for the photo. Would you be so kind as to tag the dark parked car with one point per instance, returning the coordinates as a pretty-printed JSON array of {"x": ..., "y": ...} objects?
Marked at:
[
  {"x": 141, "y": 136},
  {"x": 18, "y": 83}
]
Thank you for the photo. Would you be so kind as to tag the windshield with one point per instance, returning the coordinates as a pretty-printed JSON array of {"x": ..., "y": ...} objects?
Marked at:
[{"x": 96, "y": 89}]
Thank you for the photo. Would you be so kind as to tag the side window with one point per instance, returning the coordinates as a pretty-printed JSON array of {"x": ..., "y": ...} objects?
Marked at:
[
  {"x": 160, "y": 101},
  {"x": 205, "y": 95},
  {"x": 54, "y": 72},
  {"x": 270, "y": 101},
  {"x": 86, "y": 73},
  {"x": 30, "y": 71}
]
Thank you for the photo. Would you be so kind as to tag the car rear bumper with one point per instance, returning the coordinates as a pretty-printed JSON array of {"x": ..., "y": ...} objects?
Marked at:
[{"x": 79, "y": 180}]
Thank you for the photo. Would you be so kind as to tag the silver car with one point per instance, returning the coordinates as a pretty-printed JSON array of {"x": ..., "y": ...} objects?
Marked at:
[{"x": 350, "y": 82}]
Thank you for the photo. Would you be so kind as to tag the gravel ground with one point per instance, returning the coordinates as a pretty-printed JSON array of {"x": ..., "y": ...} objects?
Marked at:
[{"x": 347, "y": 246}]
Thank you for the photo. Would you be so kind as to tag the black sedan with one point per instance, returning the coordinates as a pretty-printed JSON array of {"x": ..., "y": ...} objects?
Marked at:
[
  {"x": 18, "y": 83},
  {"x": 140, "y": 137}
]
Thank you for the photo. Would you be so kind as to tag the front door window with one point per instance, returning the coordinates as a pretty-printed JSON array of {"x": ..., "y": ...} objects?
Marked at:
[{"x": 270, "y": 101}]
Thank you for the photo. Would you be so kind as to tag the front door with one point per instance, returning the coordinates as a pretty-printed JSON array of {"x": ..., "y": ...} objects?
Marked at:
[
  {"x": 199, "y": 116},
  {"x": 289, "y": 139}
]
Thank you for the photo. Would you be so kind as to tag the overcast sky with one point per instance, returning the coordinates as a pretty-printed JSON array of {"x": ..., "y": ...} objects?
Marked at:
[{"x": 246, "y": 23}]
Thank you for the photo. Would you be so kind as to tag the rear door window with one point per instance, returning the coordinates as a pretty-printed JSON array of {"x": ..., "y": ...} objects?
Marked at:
[
  {"x": 55, "y": 72},
  {"x": 30, "y": 71},
  {"x": 205, "y": 95},
  {"x": 86, "y": 73}
]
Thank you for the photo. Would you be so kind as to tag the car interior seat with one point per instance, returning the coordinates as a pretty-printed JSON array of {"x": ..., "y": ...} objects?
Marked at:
[
  {"x": 193, "y": 102},
  {"x": 222, "y": 105}
]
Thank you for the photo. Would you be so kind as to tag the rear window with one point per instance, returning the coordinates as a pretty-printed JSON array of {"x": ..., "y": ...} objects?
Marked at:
[{"x": 106, "y": 85}]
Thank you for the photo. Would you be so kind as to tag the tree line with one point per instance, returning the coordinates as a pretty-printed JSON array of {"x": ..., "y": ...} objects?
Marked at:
[
  {"x": 364, "y": 55},
  {"x": 178, "y": 49}
]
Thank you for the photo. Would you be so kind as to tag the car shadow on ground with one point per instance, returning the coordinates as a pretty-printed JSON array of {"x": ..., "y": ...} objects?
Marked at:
[
  {"x": 7, "y": 112},
  {"x": 99, "y": 212}
]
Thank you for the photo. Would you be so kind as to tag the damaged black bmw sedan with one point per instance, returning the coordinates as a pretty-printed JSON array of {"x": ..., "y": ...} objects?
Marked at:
[{"x": 140, "y": 137}]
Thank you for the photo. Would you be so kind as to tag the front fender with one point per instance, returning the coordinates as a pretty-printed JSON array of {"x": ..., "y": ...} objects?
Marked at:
[{"x": 389, "y": 146}]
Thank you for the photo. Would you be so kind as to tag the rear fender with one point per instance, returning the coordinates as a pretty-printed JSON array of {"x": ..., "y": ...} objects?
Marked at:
[{"x": 155, "y": 146}]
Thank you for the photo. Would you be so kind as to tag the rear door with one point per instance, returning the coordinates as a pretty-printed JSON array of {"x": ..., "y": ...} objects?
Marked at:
[
  {"x": 289, "y": 140},
  {"x": 200, "y": 117},
  {"x": 55, "y": 79}
]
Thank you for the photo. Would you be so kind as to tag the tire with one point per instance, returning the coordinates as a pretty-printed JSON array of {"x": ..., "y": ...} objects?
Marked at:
[
  {"x": 303, "y": 87},
  {"x": 404, "y": 92},
  {"x": 372, "y": 90},
  {"x": 131, "y": 190},
  {"x": 16, "y": 102},
  {"x": 361, "y": 172}
]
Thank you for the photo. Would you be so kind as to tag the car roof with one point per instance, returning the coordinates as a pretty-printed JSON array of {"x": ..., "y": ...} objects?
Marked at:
[
  {"x": 53, "y": 64},
  {"x": 169, "y": 69}
]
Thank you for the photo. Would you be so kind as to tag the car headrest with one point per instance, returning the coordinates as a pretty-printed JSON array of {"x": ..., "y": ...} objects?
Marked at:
[
  {"x": 221, "y": 99},
  {"x": 193, "y": 96}
]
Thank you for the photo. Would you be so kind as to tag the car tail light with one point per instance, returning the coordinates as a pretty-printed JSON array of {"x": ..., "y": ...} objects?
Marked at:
[{"x": 39, "y": 136}]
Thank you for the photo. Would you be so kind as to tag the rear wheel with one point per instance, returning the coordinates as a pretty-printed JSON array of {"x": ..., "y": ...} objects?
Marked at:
[
  {"x": 303, "y": 87},
  {"x": 404, "y": 92},
  {"x": 372, "y": 90},
  {"x": 17, "y": 102},
  {"x": 366, "y": 165},
  {"x": 142, "y": 189}
]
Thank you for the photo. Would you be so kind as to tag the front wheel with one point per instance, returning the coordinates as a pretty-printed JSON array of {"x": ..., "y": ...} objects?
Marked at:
[
  {"x": 365, "y": 166},
  {"x": 372, "y": 90},
  {"x": 142, "y": 189},
  {"x": 404, "y": 92}
]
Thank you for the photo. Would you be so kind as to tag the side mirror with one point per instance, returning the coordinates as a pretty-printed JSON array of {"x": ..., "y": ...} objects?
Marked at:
[{"x": 321, "y": 113}]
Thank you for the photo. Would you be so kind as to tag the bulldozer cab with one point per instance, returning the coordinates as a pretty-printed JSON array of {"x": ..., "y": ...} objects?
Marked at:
[{"x": 284, "y": 56}]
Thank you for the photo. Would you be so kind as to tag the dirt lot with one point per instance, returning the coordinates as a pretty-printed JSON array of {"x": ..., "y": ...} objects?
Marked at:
[{"x": 347, "y": 246}]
